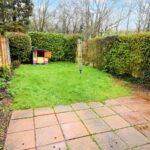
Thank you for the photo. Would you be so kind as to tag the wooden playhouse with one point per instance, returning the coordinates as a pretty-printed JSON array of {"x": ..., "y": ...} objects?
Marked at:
[{"x": 41, "y": 56}]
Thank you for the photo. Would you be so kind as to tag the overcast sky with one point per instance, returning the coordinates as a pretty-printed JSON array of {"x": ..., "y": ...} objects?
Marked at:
[{"x": 118, "y": 4}]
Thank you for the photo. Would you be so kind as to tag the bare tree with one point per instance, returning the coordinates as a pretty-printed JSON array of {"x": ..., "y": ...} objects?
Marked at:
[
  {"x": 93, "y": 18},
  {"x": 42, "y": 15},
  {"x": 143, "y": 15}
]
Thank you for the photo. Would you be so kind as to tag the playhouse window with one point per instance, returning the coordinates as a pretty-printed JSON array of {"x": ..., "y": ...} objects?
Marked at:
[{"x": 40, "y": 54}]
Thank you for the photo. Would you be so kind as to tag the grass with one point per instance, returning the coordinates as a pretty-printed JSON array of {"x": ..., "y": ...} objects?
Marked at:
[{"x": 60, "y": 83}]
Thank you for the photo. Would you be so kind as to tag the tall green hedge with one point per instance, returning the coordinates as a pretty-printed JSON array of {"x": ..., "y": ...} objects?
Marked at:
[
  {"x": 20, "y": 46},
  {"x": 124, "y": 54},
  {"x": 63, "y": 47}
]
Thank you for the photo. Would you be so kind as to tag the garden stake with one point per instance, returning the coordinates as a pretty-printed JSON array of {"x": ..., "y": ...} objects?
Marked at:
[{"x": 80, "y": 56}]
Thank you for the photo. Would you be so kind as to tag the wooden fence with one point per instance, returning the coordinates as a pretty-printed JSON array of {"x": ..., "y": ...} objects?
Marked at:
[{"x": 4, "y": 52}]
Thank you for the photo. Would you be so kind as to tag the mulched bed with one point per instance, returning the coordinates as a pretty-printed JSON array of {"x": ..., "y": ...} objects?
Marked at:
[{"x": 5, "y": 113}]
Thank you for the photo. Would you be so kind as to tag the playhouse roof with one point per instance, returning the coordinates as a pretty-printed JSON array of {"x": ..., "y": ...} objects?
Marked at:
[{"x": 39, "y": 50}]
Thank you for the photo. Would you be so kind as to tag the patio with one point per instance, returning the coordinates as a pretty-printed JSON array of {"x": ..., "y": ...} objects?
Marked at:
[{"x": 116, "y": 125}]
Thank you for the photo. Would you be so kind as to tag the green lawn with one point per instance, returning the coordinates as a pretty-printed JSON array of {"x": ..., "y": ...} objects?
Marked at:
[{"x": 60, "y": 83}]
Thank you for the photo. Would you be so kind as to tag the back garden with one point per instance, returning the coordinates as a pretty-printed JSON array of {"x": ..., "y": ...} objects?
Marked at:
[
  {"x": 111, "y": 66},
  {"x": 60, "y": 83}
]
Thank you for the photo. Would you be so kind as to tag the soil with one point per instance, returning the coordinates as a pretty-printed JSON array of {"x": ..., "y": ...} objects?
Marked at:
[
  {"x": 5, "y": 113},
  {"x": 141, "y": 91}
]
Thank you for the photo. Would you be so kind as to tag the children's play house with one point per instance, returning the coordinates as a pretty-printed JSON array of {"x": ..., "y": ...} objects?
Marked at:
[{"x": 41, "y": 56}]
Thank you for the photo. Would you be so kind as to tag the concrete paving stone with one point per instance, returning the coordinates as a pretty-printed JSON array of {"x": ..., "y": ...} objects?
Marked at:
[
  {"x": 130, "y": 100},
  {"x": 80, "y": 106},
  {"x": 95, "y": 104},
  {"x": 144, "y": 147},
  {"x": 140, "y": 106},
  {"x": 146, "y": 114},
  {"x": 56, "y": 146},
  {"x": 20, "y": 141},
  {"x": 46, "y": 120},
  {"x": 74, "y": 130},
  {"x": 144, "y": 128},
  {"x": 120, "y": 109},
  {"x": 96, "y": 125},
  {"x": 116, "y": 122},
  {"x": 132, "y": 137},
  {"x": 104, "y": 111},
  {"x": 84, "y": 143},
  {"x": 108, "y": 124},
  {"x": 20, "y": 125},
  {"x": 62, "y": 108},
  {"x": 43, "y": 111},
  {"x": 22, "y": 114},
  {"x": 134, "y": 118},
  {"x": 86, "y": 114},
  {"x": 110, "y": 141},
  {"x": 112, "y": 103},
  {"x": 67, "y": 117},
  {"x": 48, "y": 135}
]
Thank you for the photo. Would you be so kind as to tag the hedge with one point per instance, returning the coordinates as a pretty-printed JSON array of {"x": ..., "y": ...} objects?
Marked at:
[
  {"x": 20, "y": 46},
  {"x": 123, "y": 54},
  {"x": 63, "y": 47}
]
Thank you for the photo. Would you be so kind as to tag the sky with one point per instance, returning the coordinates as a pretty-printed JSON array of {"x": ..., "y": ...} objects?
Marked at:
[{"x": 118, "y": 5}]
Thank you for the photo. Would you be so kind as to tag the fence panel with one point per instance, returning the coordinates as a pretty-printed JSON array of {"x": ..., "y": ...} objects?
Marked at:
[{"x": 4, "y": 52}]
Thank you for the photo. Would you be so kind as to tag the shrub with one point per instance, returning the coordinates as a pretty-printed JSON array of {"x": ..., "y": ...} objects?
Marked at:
[
  {"x": 63, "y": 47},
  {"x": 122, "y": 55},
  {"x": 70, "y": 47},
  {"x": 5, "y": 72},
  {"x": 20, "y": 46},
  {"x": 15, "y": 64},
  {"x": 2, "y": 83}
]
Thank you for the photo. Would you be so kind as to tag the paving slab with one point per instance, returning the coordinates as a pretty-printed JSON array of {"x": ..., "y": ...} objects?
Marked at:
[
  {"x": 86, "y": 114},
  {"x": 96, "y": 125},
  {"x": 95, "y": 104},
  {"x": 140, "y": 106},
  {"x": 56, "y": 146},
  {"x": 83, "y": 126},
  {"x": 22, "y": 114},
  {"x": 146, "y": 114},
  {"x": 43, "y": 111},
  {"x": 62, "y": 108},
  {"x": 104, "y": 111},
  {"x": 129, "y": 100},
  {"x": 112, "y": 103},
  {"x": 134, "y": 118},
  {"x": 132, "y": 137},
  {"x": 48, "y": 135},
  {"x": 20, "y": 125},
  {"x": 20, "y": 141},
  {"x": 74, "y": 130},
  {"x": 116, "y": 122},
  {"x": 67, "y": 117},
  {"x": 44, "y": 121},
  {"x": 85, "y": 143},
  {"x": 144, "y": 147},
  {"x": 121, "y": 109},
  {"x": 144, "y": 128},
  {"x": 110, "y": 141},
  {"x": 80, "y": 106}
]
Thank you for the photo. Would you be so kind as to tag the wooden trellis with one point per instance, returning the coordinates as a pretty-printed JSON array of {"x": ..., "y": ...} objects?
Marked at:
[{"x": 4, "y": 52}]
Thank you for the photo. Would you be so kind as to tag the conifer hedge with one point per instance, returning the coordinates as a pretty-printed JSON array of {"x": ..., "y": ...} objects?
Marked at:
[
  {"x": 63, "y": 47},
  {"x": 123, "y": 54}
]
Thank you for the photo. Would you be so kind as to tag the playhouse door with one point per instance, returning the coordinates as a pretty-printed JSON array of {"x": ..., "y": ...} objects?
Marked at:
[{"x": 40, "y": 60}]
